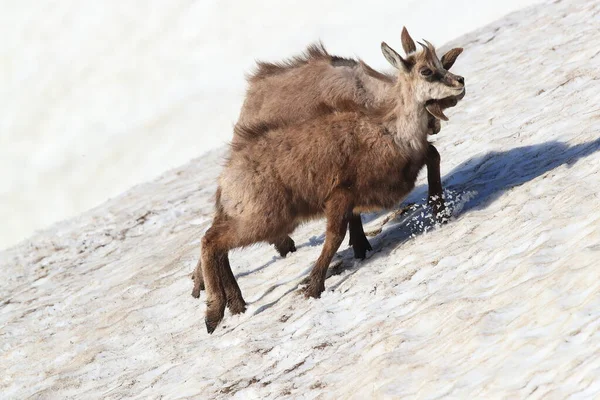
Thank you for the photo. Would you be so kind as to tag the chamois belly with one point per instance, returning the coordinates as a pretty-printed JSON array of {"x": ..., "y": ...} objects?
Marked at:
[{"x": 389, "y": 187}]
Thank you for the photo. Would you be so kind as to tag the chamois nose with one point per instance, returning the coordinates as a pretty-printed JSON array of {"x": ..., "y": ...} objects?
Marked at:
[{"x": 461, "y": 80}]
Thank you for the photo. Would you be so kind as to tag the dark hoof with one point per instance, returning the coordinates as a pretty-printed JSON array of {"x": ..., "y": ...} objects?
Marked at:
[
  {"x": 237, "y": 306},
  {"x": 198, "y": 287},
  {"x": 212, "y": 322},
  {"x": 214, "y": 315},
  {"x": 441, "y": 214},
  {"x": 441, "y": 219},
  {"x": 196, "y": 292},
  {"x": 285, "y": 247},
  {"x": 314, "y": 291},
  {"x": 211, "y": 325},
  {"x": 361, "y": 248}
]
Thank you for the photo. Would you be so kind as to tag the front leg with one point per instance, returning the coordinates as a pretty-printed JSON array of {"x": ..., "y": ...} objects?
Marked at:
[
  {"x": 434, "y": 126},
  {"x": 338, "y": 211},
  {"x": 358, "y": 240},
  {"x": 434, "y": 181}
]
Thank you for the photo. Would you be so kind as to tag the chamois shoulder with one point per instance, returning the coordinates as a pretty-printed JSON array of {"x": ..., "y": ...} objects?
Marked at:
[{"x": 314, "y": 52}]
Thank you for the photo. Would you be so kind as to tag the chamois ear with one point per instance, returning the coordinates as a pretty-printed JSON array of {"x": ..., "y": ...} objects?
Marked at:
[
  {"x": 450, "y": 57},
  {"x": 394, "y": 58},
  {"x": 408, "y": 44},
  {"x": 435, "y": 109}
]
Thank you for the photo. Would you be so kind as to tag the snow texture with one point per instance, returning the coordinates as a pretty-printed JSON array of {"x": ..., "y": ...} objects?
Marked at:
[{"x": 502, "y": 302}]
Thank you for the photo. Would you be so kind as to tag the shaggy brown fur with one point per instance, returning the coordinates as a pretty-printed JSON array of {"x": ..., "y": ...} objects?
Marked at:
[
  {"x": 313, "y": 53},
  {"x": 316, "y": 83},
  {"x": 279, "y": 175},
  {"x": 294, "y": 89}
]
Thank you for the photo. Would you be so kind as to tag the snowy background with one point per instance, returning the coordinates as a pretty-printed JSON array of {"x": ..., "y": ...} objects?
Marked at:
[
  {"x": 502, "y": 302},
  {"x": 97, "y": 96}
]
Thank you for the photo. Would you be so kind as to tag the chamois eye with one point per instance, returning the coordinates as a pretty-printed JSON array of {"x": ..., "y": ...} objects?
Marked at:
[{"x": 426, "y": 72}]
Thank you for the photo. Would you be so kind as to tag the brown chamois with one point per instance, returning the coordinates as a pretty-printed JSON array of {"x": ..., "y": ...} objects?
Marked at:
[
  {"x": 279, "y": 175},
  {"x": 307, "y": 85},
  {"x": 313, "y": 84}
]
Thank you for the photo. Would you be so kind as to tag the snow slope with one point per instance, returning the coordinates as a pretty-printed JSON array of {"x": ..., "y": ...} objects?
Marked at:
[
  {"x": 502, "y": 302},
  {"x": 99, "y": 96}
]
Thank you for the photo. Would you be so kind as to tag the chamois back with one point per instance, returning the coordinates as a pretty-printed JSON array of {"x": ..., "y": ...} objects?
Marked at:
[{"x": 314, "y": 52}]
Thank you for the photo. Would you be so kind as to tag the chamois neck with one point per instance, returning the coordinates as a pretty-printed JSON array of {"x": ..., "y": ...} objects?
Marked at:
[
  {"x": 410, "y": 118},
  {"x": 374, "y": 85}
]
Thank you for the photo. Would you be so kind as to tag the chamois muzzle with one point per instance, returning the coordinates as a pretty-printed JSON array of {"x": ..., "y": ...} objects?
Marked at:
[{"x": 454, "y": 81}]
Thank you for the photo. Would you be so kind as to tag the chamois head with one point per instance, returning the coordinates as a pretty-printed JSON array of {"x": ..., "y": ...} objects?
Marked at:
[{"x": 425, "y": 75}]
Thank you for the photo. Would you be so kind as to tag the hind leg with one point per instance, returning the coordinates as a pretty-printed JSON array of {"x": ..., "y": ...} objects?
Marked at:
[
  {"x": 284, "y": 245},
  {"x": 214, "y": 249},
  {"x": 233, "y": 294},
  {"x": 235, "y": 301},
  {"x": 358, "y": 240},
  {"x": 220, "y": 283},
  {"x": 338, "y": 211},
  {"x": 198, "y": 279}
]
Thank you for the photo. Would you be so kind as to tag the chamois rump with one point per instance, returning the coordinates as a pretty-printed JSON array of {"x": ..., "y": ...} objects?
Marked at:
[{"x": 279, "y": 175}]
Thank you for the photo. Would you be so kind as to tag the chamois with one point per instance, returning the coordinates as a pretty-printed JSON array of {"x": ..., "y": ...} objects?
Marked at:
[
  {"x": 279, "y": 175},
  {"x": 307, "y": 85},
  {"x": 316, "y": 82}
]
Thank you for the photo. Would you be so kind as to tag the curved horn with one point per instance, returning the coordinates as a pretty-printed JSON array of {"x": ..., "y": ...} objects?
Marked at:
[
  {"x": 426, "y": 49},
  {"x": 429, "y": 45}
]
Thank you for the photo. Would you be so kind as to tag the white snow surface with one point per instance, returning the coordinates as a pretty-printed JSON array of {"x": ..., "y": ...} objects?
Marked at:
[
  {"x": 97, "y": 96},
  {"x": 501, "y": 302}
]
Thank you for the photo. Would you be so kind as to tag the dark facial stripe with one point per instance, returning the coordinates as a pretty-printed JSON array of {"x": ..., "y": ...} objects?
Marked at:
[{"x": 436, "y": 76}]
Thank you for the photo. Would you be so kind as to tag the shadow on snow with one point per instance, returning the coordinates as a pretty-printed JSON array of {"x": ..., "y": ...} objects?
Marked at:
[{"x": 487, "y": 176}]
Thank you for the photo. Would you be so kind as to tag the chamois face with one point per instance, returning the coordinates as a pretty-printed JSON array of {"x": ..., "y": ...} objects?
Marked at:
[
  {"x": 425, "y": 75},
  {"x": 430, "y": 80}
]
